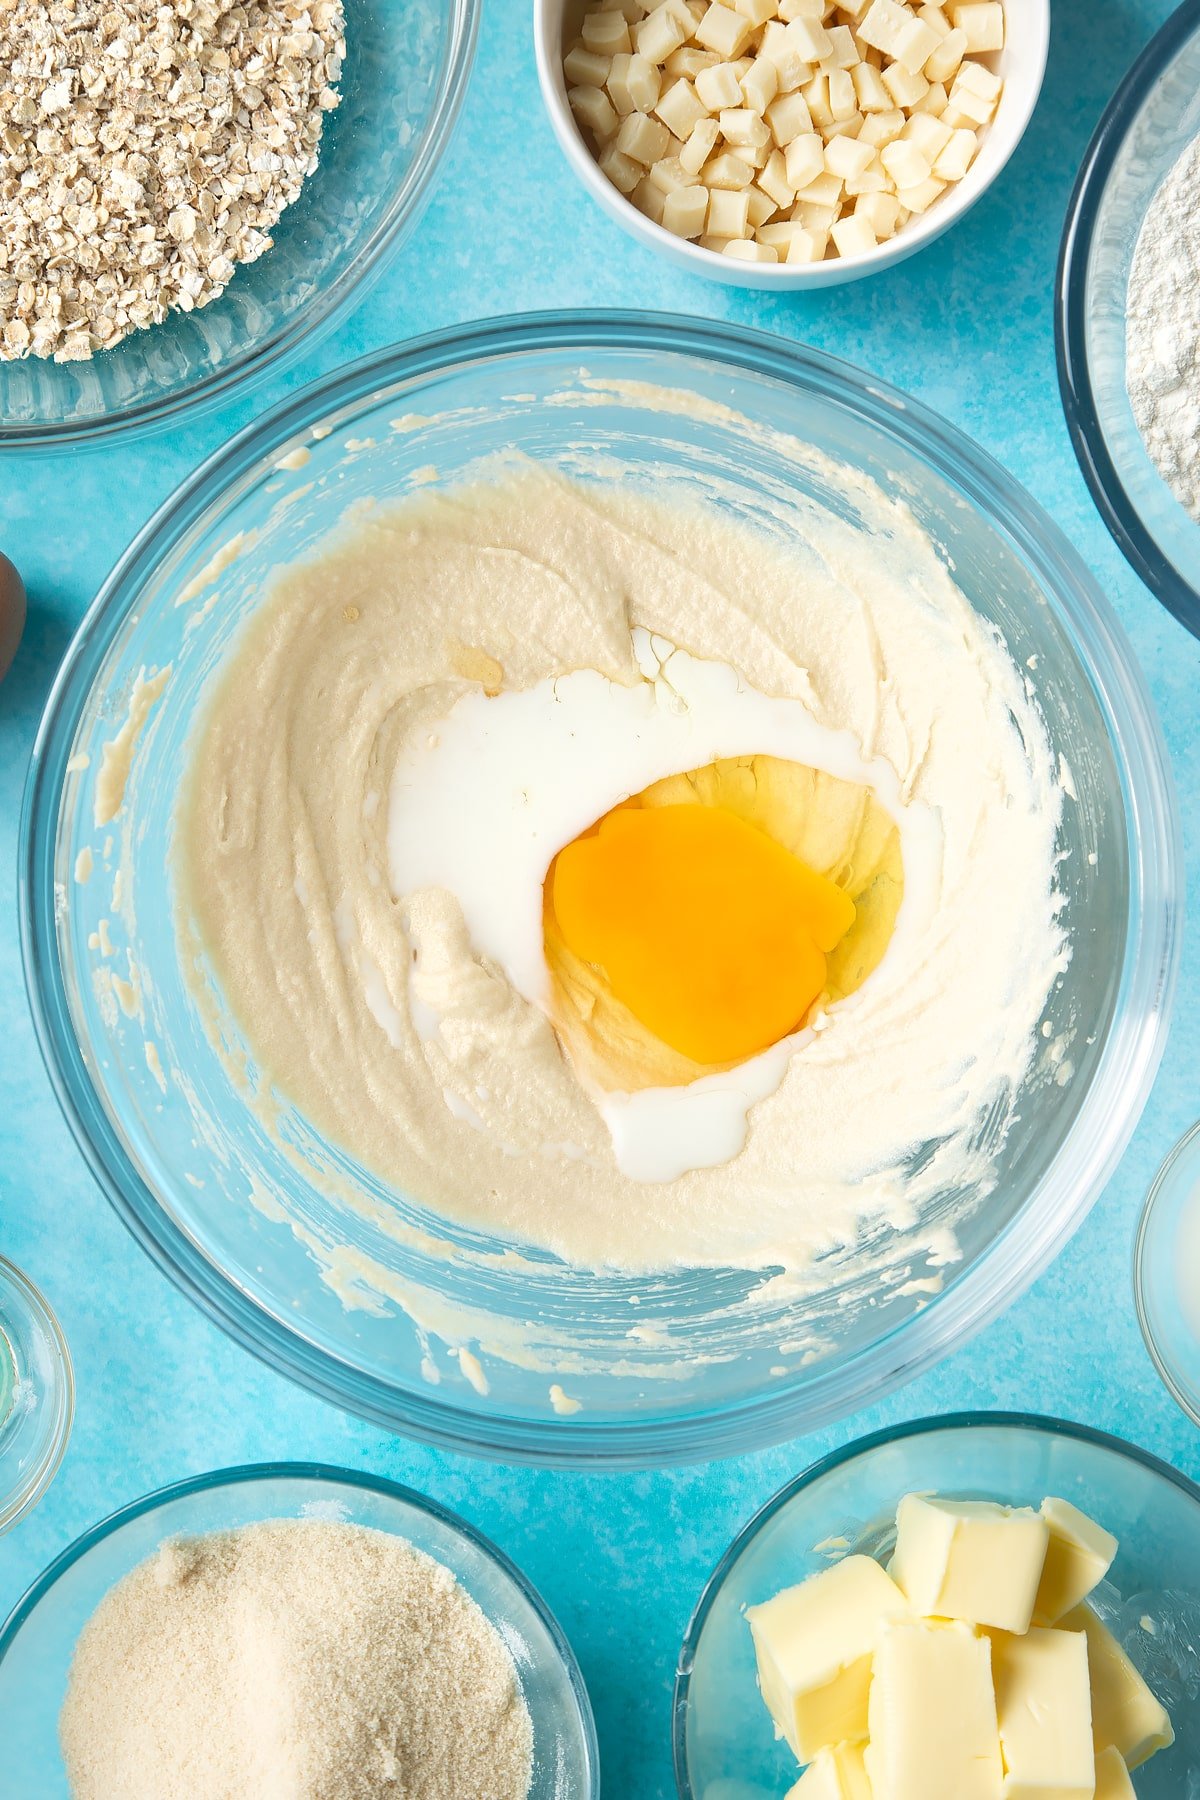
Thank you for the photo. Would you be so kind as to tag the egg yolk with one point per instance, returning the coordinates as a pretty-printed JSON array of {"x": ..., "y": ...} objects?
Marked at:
[{"x": 711, "y": 933}]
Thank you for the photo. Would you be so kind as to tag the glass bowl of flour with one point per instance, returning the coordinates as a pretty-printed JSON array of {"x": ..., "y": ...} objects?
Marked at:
[
  {"x": 342, "y": 1545},
  {"x": 1127, "y": 316},
  {"x": 517, "y": 1295}
]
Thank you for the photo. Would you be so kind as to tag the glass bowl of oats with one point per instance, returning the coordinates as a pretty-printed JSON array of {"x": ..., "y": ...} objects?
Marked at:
[{"x": 189, "y": 195}]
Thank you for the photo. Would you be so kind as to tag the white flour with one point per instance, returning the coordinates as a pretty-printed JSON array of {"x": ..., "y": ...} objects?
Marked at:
[
  {"x": 294, "y": 1660},
  {"x": 1162, "y": 350}
]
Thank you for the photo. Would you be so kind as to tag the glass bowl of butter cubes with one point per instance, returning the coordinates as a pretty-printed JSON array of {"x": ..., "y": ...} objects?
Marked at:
[
  {"x": 979, "y": 1607},
  {"x": 789, "y": 143}
]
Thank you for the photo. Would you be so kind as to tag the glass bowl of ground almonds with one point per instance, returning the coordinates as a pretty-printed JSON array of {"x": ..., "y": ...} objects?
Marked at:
[
  {"x": 1128, "y": 316},
  {"x": 190, "y": 193},
  {"x": 290, "y": 1628}
]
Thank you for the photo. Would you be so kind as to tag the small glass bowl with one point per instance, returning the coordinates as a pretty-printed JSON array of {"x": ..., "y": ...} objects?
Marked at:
[
  {"x": 402, "y": 86},
  {"x": 1150, "y": 120},
  {"x": 38, "y": 1640},
  {"x": 725, "y": 1748},
  {"x": 37, "y": 1395},
  {"x": 1166, "y": 1273}
]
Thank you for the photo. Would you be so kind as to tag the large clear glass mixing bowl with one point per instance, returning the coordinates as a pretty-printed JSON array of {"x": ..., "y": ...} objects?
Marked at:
[
  {"x": 266, "y": 1231},
  {"x": 407, "y": 63}
]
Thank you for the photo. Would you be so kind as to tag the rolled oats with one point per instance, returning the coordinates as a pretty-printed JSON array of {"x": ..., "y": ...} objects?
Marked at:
[{"x": 147, "y": 147}]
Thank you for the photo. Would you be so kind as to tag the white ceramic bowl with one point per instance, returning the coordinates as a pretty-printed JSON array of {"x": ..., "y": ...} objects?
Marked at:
[{"x": 1022, "y": 63}]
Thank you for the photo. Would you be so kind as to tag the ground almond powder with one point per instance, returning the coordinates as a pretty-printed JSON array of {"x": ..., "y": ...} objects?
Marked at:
[{"x": 293, "y": 1660}]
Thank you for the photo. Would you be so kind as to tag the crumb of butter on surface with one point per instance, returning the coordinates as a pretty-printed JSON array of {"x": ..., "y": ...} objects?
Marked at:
[
  {"x": 117, "y": 755},
  {"x": 564, "y": 1404},
  {"x": 216, "y": 565},
  {"x": 472, "y": 1368},
  {"x": 83, "y": 864}
]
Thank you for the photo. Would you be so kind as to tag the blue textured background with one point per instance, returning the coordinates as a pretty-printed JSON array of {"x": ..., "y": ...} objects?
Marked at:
[{"x": 966, "y": 325}]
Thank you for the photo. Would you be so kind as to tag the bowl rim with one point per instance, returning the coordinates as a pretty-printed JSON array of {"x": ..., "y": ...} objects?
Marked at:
[
  {"x": 1187, "y": 1146},
  {"x": 315, "y": 320},
  {"x": 782, "y": 277},
  {"x": 26, "y": 1495},
  {"x": 1122, "y": 519},
  {"x": 253, "y": 1474},
  {"x": 1052, "y": 1211},
  {"x": 1043, "y": 1424}
]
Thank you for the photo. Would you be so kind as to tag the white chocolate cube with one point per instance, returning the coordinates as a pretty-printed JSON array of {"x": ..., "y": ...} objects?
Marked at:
[
  {"x": 907, "y": 167},
  {"x": 951, "y": 165},
  {"x": 915, "y": 46},
  {"x": 881, "y": 211},
  {"x": 670, "y": 175},
  {"x": 1125, "y": 1714},
  {"x": 920, "y": 198},
  {"x": 760, "y": 84},
  {"x": 583, "y": 68},
  {"x": 853, "y": 235},
  {"x": 906, "y": 89},
  {"x": 593, "y": 109},
  {"x": 846, "y": 156},
  {"x": 728, "y": 214},
  {"x": 723, "y": 30},
  {"x": 685, "y": 211},
  {"x": 869, "y": 90},
  {"x": 741, "y": 126},
  {"x": 681, "y": 109},
  {"x": 1079, "y": 1554},
  {"x": 643, "y": 138},
  {"x": 760, "y": 207},
  {"x": 884, "y": 26},
  {"x": 757, "y": 11},
  {"x": 943, "y": 62},
  {"x": 932, "y": 1715},
  {"x": 605, "y": 33},
  {"x": 815, "y": 1645},
  {"x": 649, "y": 199},
  {"x": 727, "y": 172},
  {"x": 804, "y": 160},
  {"x": 838, "y": 1774},
  {"x": 843, "y": 51},
  {"x": 966, "y": 1559},
  {"x": 843, "y": 102},
  {"x": 620, "y": 169},
  {"x": 700, "y": 146},
  {"x": 983, "y": 22},
  {"x": 687, "y": 62},
  {"x": 826, "y": 190},
  {"x": 810, "y": 38},
  {"x": 1044, "y": 1711},
  {"x": 662, "y": 32},
  {"x": 928, "y": 134},
  {"x": 1112, "y": 1777},
  {"x": 789, "y": 118},
  {"x": 748, "y": 250},
  {"x": 634, "y": 84},
  {"x": 773, "y": 180},
  {"x": 719, "y": 87}
]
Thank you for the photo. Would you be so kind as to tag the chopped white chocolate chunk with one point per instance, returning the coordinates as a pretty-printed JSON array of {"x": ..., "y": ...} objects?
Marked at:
[
  {"x": 1112, "y": 1777},
  {"x": 583, "y": 68},
  {"x": 932, "y": 1716},
  {"x": 853, "y": 235},
  {"x": 643, "y": 138},
  {"x": 969, "y": 1559},
  {"x": 749, "y": 250},
  {"x": 983, "y": 22},
  {"x": 815, "y": 1644},
  {"x": 807, "y": 106},
  {"x": 1125, "y": 1714},
  {"x": 685, "y": 210},
  {"x": 728, "y": 214},
  {"x": 723, "y": 30},
  {"x": 1044, "y": 1711},
  {"x": 700, "y": 145},
  {"x": 1079, "y": 1554},
  {"x": 681, "y": 109}
]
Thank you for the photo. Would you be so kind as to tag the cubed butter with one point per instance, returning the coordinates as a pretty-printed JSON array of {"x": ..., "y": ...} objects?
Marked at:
[
  {"x": 1112, "y": 1777},
  {"x": 836, "y": 1774},
  {"x": 932, "y": 1715},
  {"x": 815, "y": 1645},
  {"x": 1079, "y": 1554},
  {"x": 1044, "y": 1710},
  {"x": 1125, "y": 1714},
  {"x": 968, "y": 1559}
]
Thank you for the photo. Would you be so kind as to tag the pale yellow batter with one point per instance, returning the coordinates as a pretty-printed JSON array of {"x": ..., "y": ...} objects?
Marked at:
[{"x": 373, "y": 1012}]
